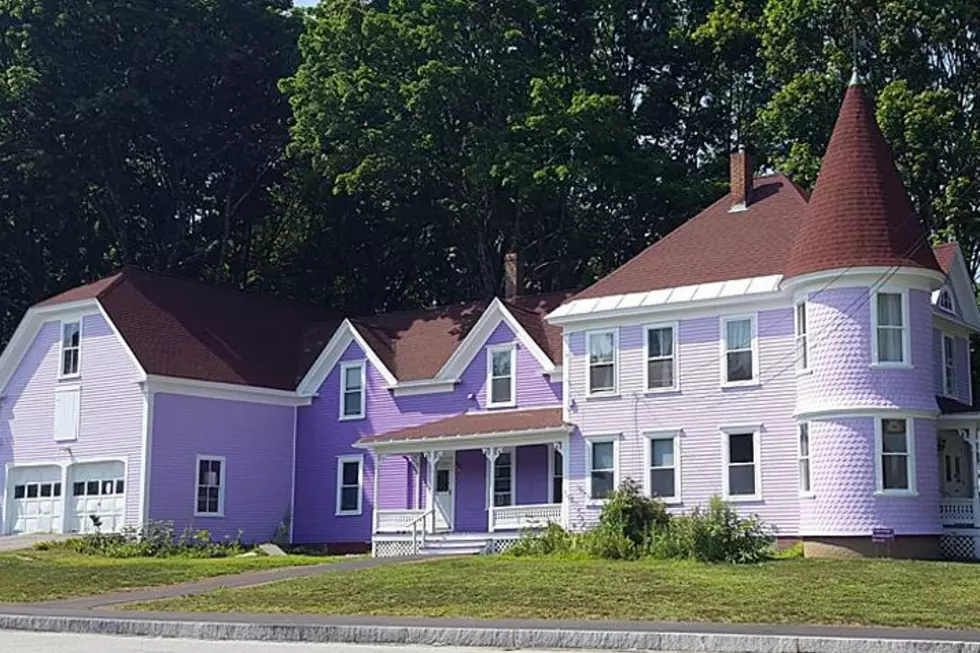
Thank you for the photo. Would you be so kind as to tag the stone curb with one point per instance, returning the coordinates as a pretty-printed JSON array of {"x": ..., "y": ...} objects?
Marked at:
[{"x": 501, "y": 638}]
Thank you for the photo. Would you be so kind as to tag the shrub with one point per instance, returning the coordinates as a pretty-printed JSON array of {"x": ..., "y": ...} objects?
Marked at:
[
  {"x": 627, "y": 523},
  {"x": 153, "y": 540},
  {"x": 551, "y": 541},
  {"x": 717, "y": 534}
]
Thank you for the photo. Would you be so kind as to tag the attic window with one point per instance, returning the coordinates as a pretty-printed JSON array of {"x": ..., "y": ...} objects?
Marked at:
[
  {"x": 71, "y": 346},
  {"x": 945, "y": 300}
]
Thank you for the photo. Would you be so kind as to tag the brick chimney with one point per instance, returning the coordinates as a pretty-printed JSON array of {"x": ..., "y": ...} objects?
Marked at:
[
  {"x": 512, "y": 275},
  {"x": 740, "y": 170}
]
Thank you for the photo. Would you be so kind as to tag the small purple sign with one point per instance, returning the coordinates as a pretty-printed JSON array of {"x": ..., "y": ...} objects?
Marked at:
[{"x": 882, "y": 535}]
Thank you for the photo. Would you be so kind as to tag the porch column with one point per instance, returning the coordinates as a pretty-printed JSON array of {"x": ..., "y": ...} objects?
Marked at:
[
  {"x": 431, "y": 459},
  {"x": 563, "y": 450},
  {"x": 975, "y": 471},
  {"x": 491, "y": 453},
  {"x": 377, "y": 481}
]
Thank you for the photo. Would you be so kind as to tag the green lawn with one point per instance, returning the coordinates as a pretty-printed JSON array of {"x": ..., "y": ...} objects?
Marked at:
[
  {"x": 30, "y": 575},
  {"x": 858, "y": 592}
]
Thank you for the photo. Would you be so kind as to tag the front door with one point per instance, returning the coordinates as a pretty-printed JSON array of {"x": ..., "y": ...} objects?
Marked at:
[
  {"x": 956, "y": 472},
  {"x": 444, "y": 489}
]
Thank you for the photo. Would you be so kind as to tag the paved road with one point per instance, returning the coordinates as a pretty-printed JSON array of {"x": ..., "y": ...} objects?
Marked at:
[{"x": 17, "y": 642}]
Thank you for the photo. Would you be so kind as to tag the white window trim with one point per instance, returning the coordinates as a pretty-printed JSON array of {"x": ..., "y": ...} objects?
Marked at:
[
  {"x": 512, "y": 350},
  {"x": 910, "y": 457},
  {"x": 944, "y": 292},
  {"x": 801, "y": 368},
  {"x": 553, "y": 472},
  {"x": 906, "y": 362},
  {"x": 591, "y": 440},
  {"x": 673, "y": 326},
  {"x": 221, "y": 486},
  {"x": 949, "y": 365},
  {"x": 493, "y": 479},
  {"x": 614, "y": 391},
  {"x": 343, "y": 390},
  {"x": 61, "y": 349},
  {"x": 756, "y": 431},
  {"x": 73, "y": 388},
  {"x": 809, "y": 458},
  {"x": 675, "y": 436},
  {"x": 353, "y": 458},
  {"x": 725, "y": 319}
]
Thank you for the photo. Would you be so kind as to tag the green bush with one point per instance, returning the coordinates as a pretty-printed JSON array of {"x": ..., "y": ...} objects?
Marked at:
[
  {"x": 627, "y": 523},
  {"x": 717, "y": 534},
  {"x": 154, "y": 540},
  {"x": 551, "y": 541}
]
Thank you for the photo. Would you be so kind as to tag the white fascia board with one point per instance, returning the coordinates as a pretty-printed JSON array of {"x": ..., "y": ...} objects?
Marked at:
[
  {"x": 469, "y": 441},
  {"x": 475, "y": 340},
  {"x": 226, "y": 391},
  {"x": 715, "y": 293},
  {"x": 964, "y": 291},
  {"x": 122, "y": 342},
  {"x": 345, "y": 334},
  {"x": 424, "y": 387}
]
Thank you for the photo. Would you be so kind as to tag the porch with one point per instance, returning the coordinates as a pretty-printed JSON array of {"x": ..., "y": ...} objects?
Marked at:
[
  {"x": 959, "y": 503},
  {"x": 468, "y": 484}
]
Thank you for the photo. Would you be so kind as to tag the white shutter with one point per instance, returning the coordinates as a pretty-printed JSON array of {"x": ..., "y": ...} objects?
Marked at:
[{"x": 66, "y": 405}]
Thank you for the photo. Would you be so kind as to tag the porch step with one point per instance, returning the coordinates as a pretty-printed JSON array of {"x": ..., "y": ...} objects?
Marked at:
[{"x": 455, "y": 545}]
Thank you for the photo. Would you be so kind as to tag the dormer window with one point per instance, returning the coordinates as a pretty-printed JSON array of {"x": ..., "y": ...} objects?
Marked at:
[
  {"x": 945, "y": 300},
  {"x": 500, "y": 376},
  {"x": 352, "y": 390},
  {"x": 71, "y": 348}
]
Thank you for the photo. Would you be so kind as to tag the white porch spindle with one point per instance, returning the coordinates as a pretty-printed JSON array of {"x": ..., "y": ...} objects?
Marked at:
[
  {"x": 491, "y": 453},
  {"x": 377, "y": 480},
  {"x": 432, "y": 459},
  {"x": 974, "y": 458}
]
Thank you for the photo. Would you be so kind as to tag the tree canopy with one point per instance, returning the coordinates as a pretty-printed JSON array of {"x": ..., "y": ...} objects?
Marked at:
[{"x": 375, "y": 155}]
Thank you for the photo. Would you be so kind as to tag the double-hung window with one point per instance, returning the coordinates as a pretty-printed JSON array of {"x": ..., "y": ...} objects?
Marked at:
[
  {"x": 602, "y": 467},
  {"x": 802, "y": 348},
  {"x": 210, "y": 486},
  {"x": 661, "y": 353},
  {"x": 500, "y": 376},
  {"x": 71, "y": 348},
  {"x": 557, "y": 475},
  {"x": 949, "y": 366},
  {"x": 739, "y": 342},
  {"x": 503, "y": 479},
  {"x": 601, "y": 370},
  {"x": 352, "y": 390},
  {"x": 350, "y": 483},
  {"x": 891, "y": 339},
  {"x": 896, "y": 461},
  {"x": 664, "y": 465},
  {"x": 742, "y": 466},
  {"x": 805, "y": 488}
]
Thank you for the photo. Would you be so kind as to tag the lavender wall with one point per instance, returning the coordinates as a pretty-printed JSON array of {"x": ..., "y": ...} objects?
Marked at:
[
  {"x": 322, "y": 437},
  {"x": 257, "y": 443},
  {"x": 111, "y": 410},
  {"x": 471, "y": 492},
  {"x": 699, "y": 409}
]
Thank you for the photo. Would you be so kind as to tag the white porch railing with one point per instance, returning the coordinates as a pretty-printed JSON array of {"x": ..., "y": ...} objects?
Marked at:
[
  {"x": 397, "y": 521},
  {"x": 956, "y": 512},
  {"x": 529, "y": 516}
]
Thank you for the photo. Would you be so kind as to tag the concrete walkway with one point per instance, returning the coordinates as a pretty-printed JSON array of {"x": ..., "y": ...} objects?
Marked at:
[{"x": 18, "y": 542}]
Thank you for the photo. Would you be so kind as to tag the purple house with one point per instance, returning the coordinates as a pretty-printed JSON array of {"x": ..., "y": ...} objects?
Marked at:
[{"x": 805, "y": 358}]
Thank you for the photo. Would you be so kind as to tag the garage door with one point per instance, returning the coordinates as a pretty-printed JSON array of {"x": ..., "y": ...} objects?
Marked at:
[
  {"x": 34, "y": 501},
  {"x": 97, "y": 490}
]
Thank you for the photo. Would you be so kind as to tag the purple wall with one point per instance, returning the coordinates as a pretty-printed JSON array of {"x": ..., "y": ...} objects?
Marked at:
[
  {"x": 257, "y": 443},
  {"x": 322, "y": 437},
  {"x": 471, "y": 491},
  {"x": 532, "y": 474},
  {"x": 111, "y": 407}
]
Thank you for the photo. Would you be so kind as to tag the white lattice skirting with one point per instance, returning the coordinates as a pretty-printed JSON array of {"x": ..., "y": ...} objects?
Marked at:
[
  {"x": 958, "y": 547},
  {"x": 397, "y": 546},
  {"x": 392, "y": 548}
]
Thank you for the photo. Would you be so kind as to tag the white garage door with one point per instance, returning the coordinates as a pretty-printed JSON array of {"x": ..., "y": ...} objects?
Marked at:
[
  {"x": 34, "y": 501},
  {"x": 97, "y": 490}
]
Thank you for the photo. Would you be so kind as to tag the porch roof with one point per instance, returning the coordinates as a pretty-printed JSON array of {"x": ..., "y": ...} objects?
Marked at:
[
  {"x": 469, "y": 427},
  {"x": 949, "y": 406}
]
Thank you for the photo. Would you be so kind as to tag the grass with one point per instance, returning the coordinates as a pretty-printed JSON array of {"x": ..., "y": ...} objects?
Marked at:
[
  {"x": 29, "y": 576},
  {"x": 837, "y": 592}
]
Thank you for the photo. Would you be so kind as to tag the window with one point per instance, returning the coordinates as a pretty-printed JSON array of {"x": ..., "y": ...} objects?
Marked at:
[
  {"x": 949, "y": 366},
  {"x": 602, "y": 362},
  {"x": 71, "y": 348},
  {"x": 352, "y": 390},
  {"x": 664, "y": 465},
  {"x": 891, "y": 339},
  {"x": 557, "y": 475},
  {"x": 945, "y": 300},
  {"x": 350, "y": 481},
  {"x": 500, "y": 376},
  {"x": 805, "y": 487},
  {"x": 602, "y": 468},
  {"x": 210, "y": 486},
  {"x": 802, "y": 353},
  {"x": 503, "y": 479},
  {"x": 742, "y": 478},
  {"x": 661, "y": 370},
  {"x": 895, "y": 458},
  {"x": 739, "y": 345}
]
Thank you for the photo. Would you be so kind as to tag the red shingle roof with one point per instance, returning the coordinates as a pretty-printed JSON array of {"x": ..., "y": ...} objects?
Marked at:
[
  {"x": 717, "y": 244},
  {"x": 859, "y": 213},
  {"x": 469, "y": 424},
  {"x": 945, "y": 255},
  {"x": 185, "y": 329}
]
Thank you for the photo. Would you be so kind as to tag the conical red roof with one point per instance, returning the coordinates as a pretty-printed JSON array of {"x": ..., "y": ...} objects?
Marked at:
[{"x": 859, "y": 213}]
